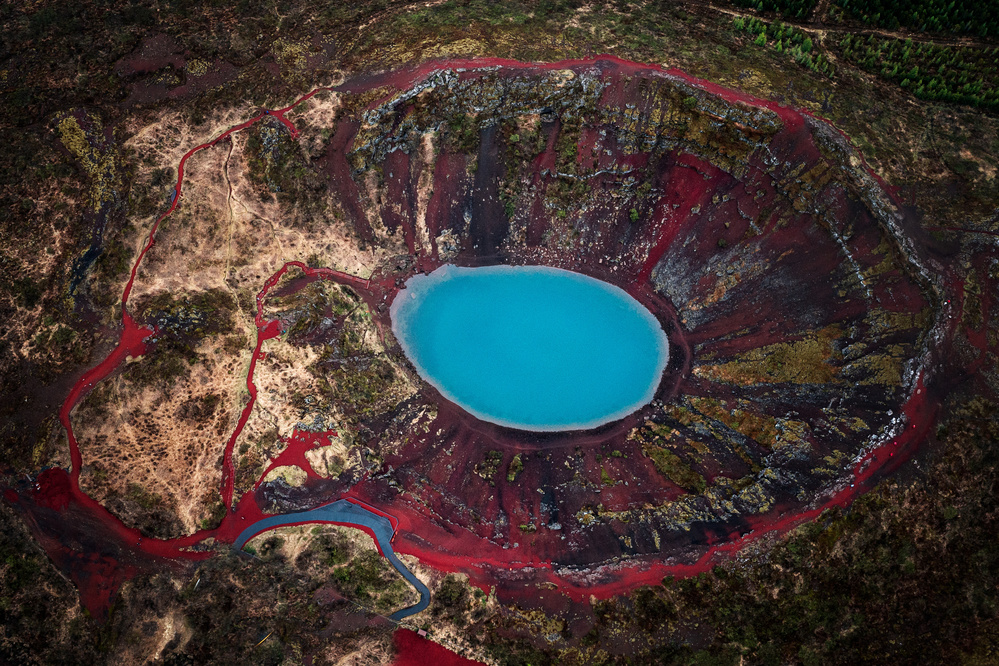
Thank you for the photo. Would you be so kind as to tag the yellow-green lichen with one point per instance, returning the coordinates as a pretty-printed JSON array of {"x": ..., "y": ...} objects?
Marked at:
[
  {"x": 667, "y": 463},
  {"x": 515, "y": 468},
  {"x": 196, "y": 67},
  {"x": 760, "y": 427},
  {"x": 805, "y": 361},
  {"x": 293, "y": 475},
  {"x": 291, "y": 54},
  {"x": 102, "y": 168},
  {"x": 586, "y": 516},
  {"x": 885, "y": 369}
]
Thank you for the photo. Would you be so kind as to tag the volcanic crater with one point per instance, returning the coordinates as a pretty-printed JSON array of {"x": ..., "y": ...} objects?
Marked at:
[
  {"x": 774, "y": 260},
  {"x": 800, "y": 319}
]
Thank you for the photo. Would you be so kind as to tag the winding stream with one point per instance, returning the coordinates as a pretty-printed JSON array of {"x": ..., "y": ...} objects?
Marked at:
[{"x": 351, "y": 514}]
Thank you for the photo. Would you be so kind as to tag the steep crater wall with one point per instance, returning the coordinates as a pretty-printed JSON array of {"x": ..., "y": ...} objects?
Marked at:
[{"x": 798, "y": 312}]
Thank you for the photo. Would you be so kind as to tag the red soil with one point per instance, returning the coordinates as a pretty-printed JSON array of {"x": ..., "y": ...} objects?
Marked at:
[{"x": 414, "y": 650}]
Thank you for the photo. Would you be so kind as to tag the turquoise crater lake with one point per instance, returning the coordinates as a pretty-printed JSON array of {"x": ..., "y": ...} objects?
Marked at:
[{"x": 530, "y": 347}]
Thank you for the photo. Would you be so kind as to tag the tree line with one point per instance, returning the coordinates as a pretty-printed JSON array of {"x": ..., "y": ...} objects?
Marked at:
[
  {"x": 973, "y": 17},
  {"x": 788, "y": 40},
  {"x": 796, "y": 9},
  {"x": 963, "y": 75}
]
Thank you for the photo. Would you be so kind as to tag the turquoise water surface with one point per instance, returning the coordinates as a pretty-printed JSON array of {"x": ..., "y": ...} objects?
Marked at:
[{"x": 531, "y": 347}]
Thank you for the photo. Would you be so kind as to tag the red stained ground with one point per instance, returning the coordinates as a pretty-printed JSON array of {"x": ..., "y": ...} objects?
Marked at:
[{"x": 413, "y": 650}]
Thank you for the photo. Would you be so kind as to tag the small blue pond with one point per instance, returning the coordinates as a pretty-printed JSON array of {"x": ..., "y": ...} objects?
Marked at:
[{"x": 533, "y": 348}]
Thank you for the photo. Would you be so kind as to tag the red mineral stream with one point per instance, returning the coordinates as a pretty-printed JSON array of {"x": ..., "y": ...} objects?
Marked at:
[
  {"x": 415, "y": 650},
  {"x": 54, "y": 501}
]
